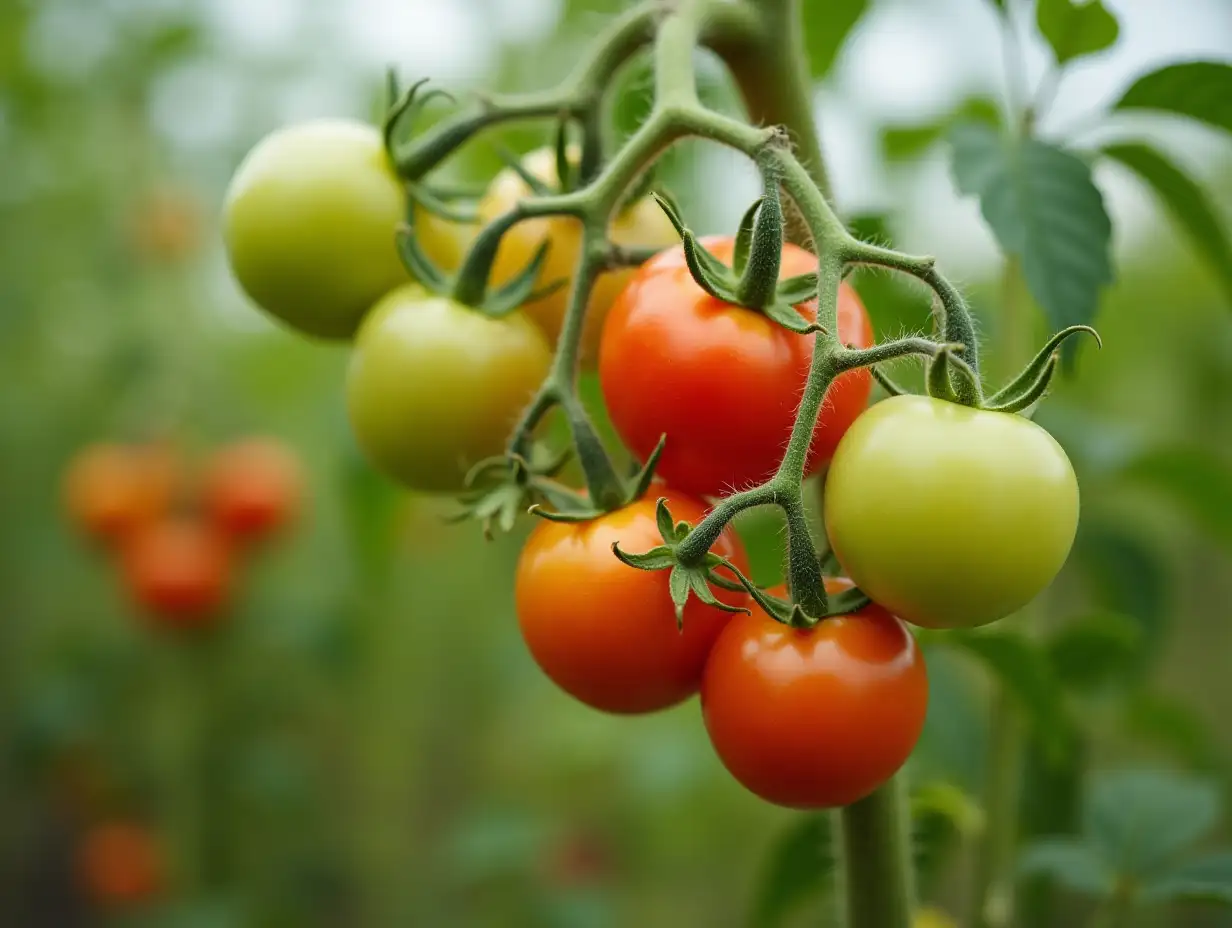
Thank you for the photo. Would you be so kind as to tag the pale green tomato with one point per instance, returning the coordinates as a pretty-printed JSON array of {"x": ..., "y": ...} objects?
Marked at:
[
  {"x": 434, "y": 387},
  {"x": 309, "y": 223},
  {"x": 948, "y": 516}
]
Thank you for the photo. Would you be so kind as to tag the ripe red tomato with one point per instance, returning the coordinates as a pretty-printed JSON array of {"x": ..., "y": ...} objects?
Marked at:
[
  {"x": 606, "y": 632},
  {"x": 110, "y": 489},
  {"x": 815, "y": 718},
  {"x": 120, "y": 864},
  {"x": 180, "y": 570},
  {"x": 722, "y": 382},
  {"x": 253, "y": 487}
]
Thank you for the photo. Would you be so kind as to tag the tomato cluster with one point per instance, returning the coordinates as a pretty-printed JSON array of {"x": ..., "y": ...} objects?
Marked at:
[
  {"x": 945, "y": 515},
  {"x": 174, "y": 534}
]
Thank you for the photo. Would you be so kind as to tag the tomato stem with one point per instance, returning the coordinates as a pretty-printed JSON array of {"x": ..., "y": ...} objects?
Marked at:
[{"x": 878, "y": 887}]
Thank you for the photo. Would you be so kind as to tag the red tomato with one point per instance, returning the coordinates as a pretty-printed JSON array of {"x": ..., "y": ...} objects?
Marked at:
[
  {"x": 253, "y": 487},
  {"x": 180, "y": 570},
  {"x": 110, "y": 490},
  {"x": 606, "y": 632},
  {"x": 723, "y": 382},
  {"x": 815, "y": 718},
  {"x": 120, "y": 864}
]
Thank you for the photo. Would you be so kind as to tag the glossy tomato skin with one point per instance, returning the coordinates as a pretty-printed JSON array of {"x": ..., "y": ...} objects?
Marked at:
[
  {"x": 642, "y": 223},
  {"x": 120, "y": 864},
  {"x": 179, "y": 570},
  {"x": 605, "y": 632},
  {"x": 309, "y": 222},
  {"x": 111, "y": 490},
  {"x": 253, "y": 487},
  {"x": 815, "y": 718},
  {"x": 721, "y": 381},
  {"x": 950, "y": 517},
  {"x": 434, "y": 387}
]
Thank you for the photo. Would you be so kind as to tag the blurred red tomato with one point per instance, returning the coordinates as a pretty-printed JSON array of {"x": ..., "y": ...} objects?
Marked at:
[
  {"x": 112, "y": 489},
  {"x": 120, "y": 864},
  {"x": 180, "y": 570},
  {"x": 253, "y": 487}
]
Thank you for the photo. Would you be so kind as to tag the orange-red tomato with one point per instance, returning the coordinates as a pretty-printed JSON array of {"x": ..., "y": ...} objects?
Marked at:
[
  {"x": 111, "y": 489},
  {"x": 179, "y": 569},
  {"x": 721, "y": 381},
  {"x": 815, "y": 718},
  {"x": 605, "y": 632},
  {"x": 253, "y": 487},
  {"x": 120, "y": 864}
]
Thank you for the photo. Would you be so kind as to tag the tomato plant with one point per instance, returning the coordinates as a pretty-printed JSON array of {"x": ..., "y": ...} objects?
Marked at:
[
  {"x": 721, "y": 381},
  {"x": 435, "y": 387},
  {"x": 603, "y": 632},
  {"x": 815, "y": 717},
  {"x": 309, "y": 223},
  {"x": 179, "y": 570},
  {"x": 639, "y": 223},
  {"x": 950, "y": 516},
  {"x": 110, "y": 490},
  {"x": 252, "y": 487}
]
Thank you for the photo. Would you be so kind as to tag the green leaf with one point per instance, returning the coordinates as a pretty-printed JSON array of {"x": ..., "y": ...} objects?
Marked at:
[
  {"x": 1139, "y": 820},
  {"x": 942, "y": 814},
  {"x": 1023, "y": 668},
  {"x": 1175, "y": 727},
  {"x": 1201, "y": 90},
  {"x": 1075, "y": 29},
  {"x": 1095, "y": 649},
  {"x": 1203, "y": 879},
  {"x": 799, "y": 868},
  {"x": 1044, "y": 209},
  {"x": 1070, "y": 862},
  {"x": 1126, "y": 575},
  {"x": 1198, "y": 483},
  {"x": 900, "y": 143},
  {"x": 1185, "y": 201},
  {"x": 826, "y": 26}
]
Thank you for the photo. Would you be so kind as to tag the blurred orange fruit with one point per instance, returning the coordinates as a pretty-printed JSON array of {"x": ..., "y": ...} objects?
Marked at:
[
  {"x": 112, "y": 489},
  {"x": 253, "y": 487},
  {"x": 120, "y": 864},
  {"x": 179, "y": 569}
]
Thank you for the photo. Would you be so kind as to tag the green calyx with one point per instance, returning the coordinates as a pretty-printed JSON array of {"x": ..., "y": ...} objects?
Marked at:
[
  {"x": 696, "y": 577},
  {"x": 683, "y": 581},
  {"x": 753, "y": 279},
  {"x": 951, "y": 378},
  {"x": 470, "y": 285},
  {"x": 618, "y": 493},
  {"x": 499, "y": 489}
]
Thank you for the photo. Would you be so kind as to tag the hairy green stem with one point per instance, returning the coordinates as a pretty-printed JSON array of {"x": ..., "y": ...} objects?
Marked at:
[{"x": 878, "y": 889}]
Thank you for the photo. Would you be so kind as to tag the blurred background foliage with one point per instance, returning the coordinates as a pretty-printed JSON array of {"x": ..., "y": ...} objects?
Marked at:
[{"x": 367, "y": 742}]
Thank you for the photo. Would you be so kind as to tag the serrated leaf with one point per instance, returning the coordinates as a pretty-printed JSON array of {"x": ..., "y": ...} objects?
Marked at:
[
  {"x": 826, "y": 27},
  {"x": 1044, "y": 209},
  {"x": 1185, "y": 202},
  {"x": 1070, "y": 862},
  {"x": 1201, "y": 90},
  {"x": 1197, "y": 482},
  {"x": 799, "y": 868},
  {"x": 1140, "y": 820},
  {"x": 1023, "y": 669},
  {"x": 899, "y": 143},
  {"x": 1076, "y": 29},
  {"x": 1203, "y": 879},
  {"x": 1090, "y": 651}
]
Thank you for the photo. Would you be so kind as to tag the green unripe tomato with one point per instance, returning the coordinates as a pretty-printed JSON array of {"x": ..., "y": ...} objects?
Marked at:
[
  {"x": 435, "y": 387},
  {"x": 309, "y": 222},
  {"x": 950, "y": 517}
]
